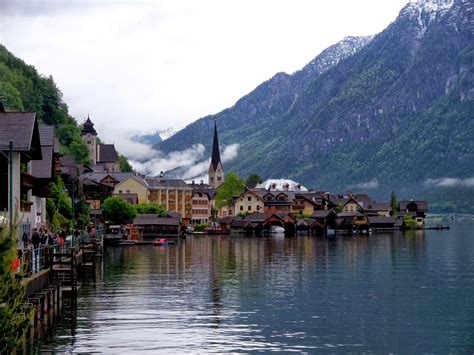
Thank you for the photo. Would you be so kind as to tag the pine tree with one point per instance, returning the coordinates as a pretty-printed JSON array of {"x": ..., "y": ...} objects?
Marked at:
[{"x": 14, "y": 320}]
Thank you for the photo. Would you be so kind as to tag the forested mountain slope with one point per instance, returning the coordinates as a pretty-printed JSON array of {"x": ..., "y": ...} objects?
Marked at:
[{"x": 395, "y": 112}]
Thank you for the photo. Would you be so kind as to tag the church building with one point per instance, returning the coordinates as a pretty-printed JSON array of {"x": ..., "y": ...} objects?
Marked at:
[
  {"x": 103, "y": 157},
  {"x": 216, "y": 170}
]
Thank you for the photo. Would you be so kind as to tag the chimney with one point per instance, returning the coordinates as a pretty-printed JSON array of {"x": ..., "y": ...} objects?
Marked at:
[
  {"x": 192, "y": 182},
  {"x": 202, "y": 182}
]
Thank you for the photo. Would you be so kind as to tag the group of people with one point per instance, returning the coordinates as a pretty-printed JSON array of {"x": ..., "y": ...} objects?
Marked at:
[{"x": 42, "y": 237}]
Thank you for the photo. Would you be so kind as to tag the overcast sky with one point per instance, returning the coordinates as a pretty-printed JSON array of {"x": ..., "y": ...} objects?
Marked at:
[{"x": 145, "y": 65}]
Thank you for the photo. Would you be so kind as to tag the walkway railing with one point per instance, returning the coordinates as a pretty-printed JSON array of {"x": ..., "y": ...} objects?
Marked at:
[{"x": 35, "y": 260}]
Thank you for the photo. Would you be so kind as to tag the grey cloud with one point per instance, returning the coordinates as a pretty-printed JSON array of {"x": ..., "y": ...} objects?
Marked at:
[
  {"x": 372, "y": 184},
  {"x": 450, "y": 182}
]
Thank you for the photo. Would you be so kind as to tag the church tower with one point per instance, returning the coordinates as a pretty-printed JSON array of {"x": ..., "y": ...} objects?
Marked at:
[
  {"x": 89, "y": 136},
  {"x": 216, "y": 170}
]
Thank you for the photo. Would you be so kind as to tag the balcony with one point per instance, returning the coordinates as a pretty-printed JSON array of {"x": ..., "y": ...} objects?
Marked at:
[
  {"x": 25, "y": 206},
  {"x": 27, "y": 181}
]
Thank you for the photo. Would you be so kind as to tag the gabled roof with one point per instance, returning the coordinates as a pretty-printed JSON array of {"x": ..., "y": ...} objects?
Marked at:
[
  {"x": 349, "y": 214},
  {"x": 226, "y": 220},
  {"x": 422, "y": 205},
  {"x": 381, "y": 220},
  {"x": 363, "y": 200},
  {"x": 257, "y": 217},
  {"x": 323, "y": 214},
  {"x": 106, "y": 153},
  {"x": 153, "y": 219},
  {"x": 46, "y": 134},
  {"x": 22, "y": 129},
  {"x": 117, "y": 176},
  {"x": 158, "y": 183},
  {"x": 240, "y": 223},
  {"x": 43, "y": 169}
]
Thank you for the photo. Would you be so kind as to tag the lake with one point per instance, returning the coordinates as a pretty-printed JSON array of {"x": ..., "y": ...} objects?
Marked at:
[{"x": 384, "y": 293}]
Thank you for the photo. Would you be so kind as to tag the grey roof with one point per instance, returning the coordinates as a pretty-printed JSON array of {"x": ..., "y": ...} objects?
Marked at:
[
  {"x": 46, "y": 134},
  {"x": 153, "y": 219},
  {"x": 158, "y": 183},
  {"x": 68, "y": 166},
  {"x": 321, "y": 214},
  {"x": 257, "y": 217},
  {"x": 56, "y": 145},
  {"x": 381, "y": 220},
  {"x": 240, "y": 223},
  {"x": 106, "y": 153},
  {"x": 422, "y": 205},
  {"x": 363, "y": 200},
  {"x": 226, "y": 220},
  {"x": 349, "y": 214},
  {"x": 99, "y": 176},
  {"x": 22, "y": 129},
  {"x": 43, "y": 168}
]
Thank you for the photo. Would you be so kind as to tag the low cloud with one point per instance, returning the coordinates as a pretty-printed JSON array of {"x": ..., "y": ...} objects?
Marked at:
[
  {"x": 191, "y": 163},
  {"x": 372, "y": 184},
  {"x": 450, "y": 182}
]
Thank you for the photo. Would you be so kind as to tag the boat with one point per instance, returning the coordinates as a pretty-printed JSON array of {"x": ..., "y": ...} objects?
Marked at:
[
  {"x": 127, "y": 242},
  {"x": 113, "y": 239},
  {"x": 277, "y": 230},
  {"x": 163, "y": 242}
]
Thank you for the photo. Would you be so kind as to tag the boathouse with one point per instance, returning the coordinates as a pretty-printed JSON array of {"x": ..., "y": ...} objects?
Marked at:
[{"x": 152, "y": 226}]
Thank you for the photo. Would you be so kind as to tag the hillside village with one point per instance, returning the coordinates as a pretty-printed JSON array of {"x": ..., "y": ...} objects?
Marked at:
[{"x": 33, "y": 162}]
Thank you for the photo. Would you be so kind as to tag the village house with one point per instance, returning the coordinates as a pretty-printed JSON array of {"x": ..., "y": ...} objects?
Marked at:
[
  {"x": 174, "y": 195},
  {"x": 416, "y": 209},
  {"x": 150, "y": 226},
  {"x": 43, "y": 172},
  {"x": 249, "y": 202},
  {"x": 21, "y": 129}
]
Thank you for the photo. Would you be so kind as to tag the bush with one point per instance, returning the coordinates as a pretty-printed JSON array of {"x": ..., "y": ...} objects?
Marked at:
[{"x": 200, "y": 227}]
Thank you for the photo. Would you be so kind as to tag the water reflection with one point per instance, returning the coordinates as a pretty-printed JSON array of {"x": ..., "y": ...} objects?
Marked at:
[{"x": 379, "y": 293}]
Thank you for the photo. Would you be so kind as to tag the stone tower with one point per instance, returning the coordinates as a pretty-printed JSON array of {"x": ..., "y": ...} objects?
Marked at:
[
  {"x": 216, "y": 170},
  {"x": 89, "y": 136}
]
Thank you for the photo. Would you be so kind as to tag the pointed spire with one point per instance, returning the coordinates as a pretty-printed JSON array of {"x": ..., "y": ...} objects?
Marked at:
[{"x": 216, "y": 156}]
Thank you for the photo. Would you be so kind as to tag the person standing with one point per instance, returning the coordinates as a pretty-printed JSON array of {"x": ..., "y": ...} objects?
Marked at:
[
  {"x": 35, "y": 238},
  {"x": 25, "y": 238}
]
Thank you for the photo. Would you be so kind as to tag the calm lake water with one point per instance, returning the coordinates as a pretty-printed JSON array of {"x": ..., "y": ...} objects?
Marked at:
[{"x": 400, "y": 293}]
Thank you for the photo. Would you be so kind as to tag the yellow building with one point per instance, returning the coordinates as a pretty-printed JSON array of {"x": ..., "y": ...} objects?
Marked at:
[
  {"x": 133, "y": 185},
  {"x": 174, "y": 195},
  {"x": 249, "y": 202}
]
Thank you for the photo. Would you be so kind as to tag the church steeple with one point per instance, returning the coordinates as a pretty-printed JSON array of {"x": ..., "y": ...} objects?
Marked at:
[{"x": 216, "y": 170}]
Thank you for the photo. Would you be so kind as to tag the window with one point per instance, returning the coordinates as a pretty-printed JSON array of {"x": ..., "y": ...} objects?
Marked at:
[
  {"x": 89, "y": 142},
  {"x": 241, "y": 208},
  {"x": 120, "y": 191},
  {"x": 219, "y": 178},
  {"x": 128, "y": 191},
  {"x": 258, "y": 207},
  {"x": 211, "y": 178},
  {"x": 249, "y": 208},
  {"x": 249, "y": 198}
]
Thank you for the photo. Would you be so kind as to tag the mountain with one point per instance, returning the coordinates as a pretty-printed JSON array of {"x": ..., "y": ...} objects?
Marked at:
[
  {"x": 156, "y": 137},
  {"x": 392, "y": 112}
]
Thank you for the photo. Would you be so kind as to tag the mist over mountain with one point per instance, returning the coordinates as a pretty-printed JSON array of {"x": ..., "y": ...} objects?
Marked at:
[{"x": 374, "y": 114}]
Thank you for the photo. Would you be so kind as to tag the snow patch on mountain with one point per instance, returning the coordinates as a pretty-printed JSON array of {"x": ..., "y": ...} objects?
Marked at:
[
  {"x": 426, "y": 11},
  {"x": 165, "y": 134},
  {"x": 331, "y": 56}
]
